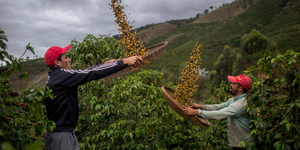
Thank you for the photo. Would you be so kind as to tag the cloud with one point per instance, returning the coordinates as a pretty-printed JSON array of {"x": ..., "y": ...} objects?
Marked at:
[{"x": 45, "y": 23}]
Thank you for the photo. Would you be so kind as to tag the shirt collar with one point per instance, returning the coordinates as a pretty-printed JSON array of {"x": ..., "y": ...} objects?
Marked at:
[{"x": 240, "y": 96}]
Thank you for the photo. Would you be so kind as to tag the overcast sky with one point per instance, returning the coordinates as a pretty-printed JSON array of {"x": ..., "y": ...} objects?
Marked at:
[{"x": 46, "y": 23}]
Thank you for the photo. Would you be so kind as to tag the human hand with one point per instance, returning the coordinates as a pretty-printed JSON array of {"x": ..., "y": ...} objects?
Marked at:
[
  {"x": 189, "y": 111},
  {"x": 110, "y": 61},
  {"x": 133, "y": 61},
  {"x": 197, "y": 106}
]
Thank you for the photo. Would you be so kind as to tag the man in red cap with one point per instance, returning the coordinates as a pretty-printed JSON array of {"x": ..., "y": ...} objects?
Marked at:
[
  {"x": 64, "y": 82},
  {"x": 234, "y": 109}
]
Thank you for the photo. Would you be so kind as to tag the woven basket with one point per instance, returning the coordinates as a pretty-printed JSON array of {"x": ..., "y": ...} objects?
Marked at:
[
  {"x": 153, "y": 53},
  {"x": 169, "y": 94}
]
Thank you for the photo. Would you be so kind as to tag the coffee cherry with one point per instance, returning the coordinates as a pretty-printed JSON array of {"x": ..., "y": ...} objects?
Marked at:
[
  {"x": 186, "y": 88},
  {"x": 132, "y": 45}
]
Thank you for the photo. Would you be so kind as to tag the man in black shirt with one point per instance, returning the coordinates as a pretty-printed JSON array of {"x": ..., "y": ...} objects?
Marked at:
[{"x": 64, "y": 82}]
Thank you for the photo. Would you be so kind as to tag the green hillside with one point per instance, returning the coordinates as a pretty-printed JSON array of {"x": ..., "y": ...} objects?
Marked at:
[
  {"x": 279, "y": 20},
  {"x": 37, "y": 73},
  {"x": 276, "y": 19}
]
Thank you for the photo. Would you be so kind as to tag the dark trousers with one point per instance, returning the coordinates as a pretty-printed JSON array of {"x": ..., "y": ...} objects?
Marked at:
[{"x": 61, "y": 141}]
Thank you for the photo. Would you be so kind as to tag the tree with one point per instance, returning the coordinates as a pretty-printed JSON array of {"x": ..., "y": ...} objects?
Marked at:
[
  {"x": 238, "y": 65},
  {"x": 28, "y": 47},
  {"x": 198, "y": 15},
  {"x": 12, "y": 64},
  {"x": 272, "y": 46},
  {"x": 3, "y": 38},
  {"x": 22, "y": 119},
  {"x": 255, "y": 42},
  {"x": 235, "y": 41},
  {"x": 244, "y": 4},
  {"x": 206, "y": 11},
  {"x": 213, "y": 81},
  {"x": 250, "y": 2},
  {"x": 223, "y": 66},
  {"x": 211, "y": 7}
]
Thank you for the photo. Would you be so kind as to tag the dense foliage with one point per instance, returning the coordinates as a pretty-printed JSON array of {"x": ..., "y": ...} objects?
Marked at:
[
  {"x": 233, "y": 61},
  {"x": 275, "y": 101},
  {"x": 22, "y": 116},
  {"x": 128, "y": 112},
  {"x": 224, "y": 66},
  {"x": 94, "y": 50},
  {"x": 273, "y": 104},
  {"x": 254, "y": 42}
]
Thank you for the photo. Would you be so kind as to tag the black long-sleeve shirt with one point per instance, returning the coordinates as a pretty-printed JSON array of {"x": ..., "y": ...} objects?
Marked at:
[{"x": 63, "y": 110}]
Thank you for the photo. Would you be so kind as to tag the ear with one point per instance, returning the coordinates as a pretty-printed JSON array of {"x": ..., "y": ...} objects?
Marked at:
[
  {"x": 241, "y": 89},
  {"x": 57, "y": 63}
]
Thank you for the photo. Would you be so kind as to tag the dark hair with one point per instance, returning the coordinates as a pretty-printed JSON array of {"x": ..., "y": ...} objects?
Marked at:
[
  {"x": 58, "y": 58},
  {"x": 245, "y": 91}
]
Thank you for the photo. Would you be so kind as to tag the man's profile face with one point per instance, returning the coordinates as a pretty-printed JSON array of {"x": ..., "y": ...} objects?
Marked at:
[
  {"x": 234, "y": 88},
  {"x": 65, "y": 62}
]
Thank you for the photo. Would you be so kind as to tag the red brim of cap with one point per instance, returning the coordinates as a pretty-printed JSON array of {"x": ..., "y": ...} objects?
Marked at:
[
  {"x": 233, "y": 79},
  {"x": 65, "y": 49}
]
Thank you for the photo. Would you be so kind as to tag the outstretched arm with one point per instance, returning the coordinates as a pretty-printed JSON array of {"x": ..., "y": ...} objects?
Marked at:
[
  {"x": 130, "y": 61},
  {"x": 71, "y": 77},
  {"x": 232, "y": 110},
  {"x": 197, "y": 106}
]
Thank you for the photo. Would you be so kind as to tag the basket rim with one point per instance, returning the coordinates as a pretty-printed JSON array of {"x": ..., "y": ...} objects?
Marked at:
[
  {"x": 203, "y": 124},
  {"x": 160, "y": 48}
]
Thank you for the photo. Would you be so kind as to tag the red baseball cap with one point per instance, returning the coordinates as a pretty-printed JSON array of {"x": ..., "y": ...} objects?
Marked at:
[
  {"x": 53, "y": 52},
  {"x": 243, "y": 80}
]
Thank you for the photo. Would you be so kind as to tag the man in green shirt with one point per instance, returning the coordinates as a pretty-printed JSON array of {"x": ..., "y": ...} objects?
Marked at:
[{"x": 234, "y": 109}]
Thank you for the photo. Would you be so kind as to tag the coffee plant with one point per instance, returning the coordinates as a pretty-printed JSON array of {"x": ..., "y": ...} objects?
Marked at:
[
  {"x": 273, "y": 105},
  {"x": 130, "y": 112},
  {"x": 127, "y": 112},
  {"x": 274, "y": 102},
  {"x": 22, "y": 116}
]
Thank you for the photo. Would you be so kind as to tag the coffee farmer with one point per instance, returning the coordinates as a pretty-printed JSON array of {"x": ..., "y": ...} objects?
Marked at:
[
  {"x": 234, "y": 109},
  {"x": 64, "y": 82}
]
